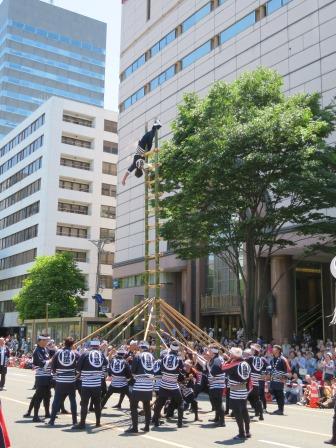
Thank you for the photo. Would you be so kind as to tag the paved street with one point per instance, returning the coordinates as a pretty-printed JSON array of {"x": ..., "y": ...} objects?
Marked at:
[{"x": 300, "y": 428}]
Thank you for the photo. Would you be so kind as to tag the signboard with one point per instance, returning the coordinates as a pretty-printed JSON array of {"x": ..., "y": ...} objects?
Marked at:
[{"x": 333, "y": 267}]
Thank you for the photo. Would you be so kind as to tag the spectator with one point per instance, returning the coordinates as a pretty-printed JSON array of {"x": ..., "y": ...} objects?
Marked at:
[{"x": 328, "y": 367}]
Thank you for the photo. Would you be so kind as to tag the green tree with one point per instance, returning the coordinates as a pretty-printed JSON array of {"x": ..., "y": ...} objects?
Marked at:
[
  {"x": 55, "y": 280},
  {"x": 243, "y": 165}
]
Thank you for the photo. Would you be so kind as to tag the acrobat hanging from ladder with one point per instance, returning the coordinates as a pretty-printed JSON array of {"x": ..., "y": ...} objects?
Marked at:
[{"x": 144, "y": 145}]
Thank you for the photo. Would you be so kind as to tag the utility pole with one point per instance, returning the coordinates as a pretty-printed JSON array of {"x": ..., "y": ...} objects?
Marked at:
[{"x": 47, "y": 318}]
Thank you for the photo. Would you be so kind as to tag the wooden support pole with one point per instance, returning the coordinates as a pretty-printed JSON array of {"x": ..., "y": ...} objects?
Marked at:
[
  {"x": 129, "y": 324},
  {"x": 149, "y": 322}
]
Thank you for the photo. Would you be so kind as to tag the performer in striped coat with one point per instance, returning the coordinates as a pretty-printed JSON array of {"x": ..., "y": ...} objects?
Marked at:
[
  {"x": 120, "y": 373},
  {"x": 42, "y": 377},
  {"x": 90, "y": 366},
  {"x": 143, "y": 374},
  {"x": 63, "y": 364},
  {"x": 216, "y": 380},
  {"x": 279, "y": 369},
  {"x": 258, "y": 368},
  {"x": 239, "y": 373},
  {"x": 171, "y": 367}
]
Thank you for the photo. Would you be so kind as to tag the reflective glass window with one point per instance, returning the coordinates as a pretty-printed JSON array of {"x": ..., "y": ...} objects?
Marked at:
[
  {"x": 196, "y": 54},
  {"x": 273, "y": 5},
  {"x": 238, "y": 27},
  {"x": 196, "y": 17}
]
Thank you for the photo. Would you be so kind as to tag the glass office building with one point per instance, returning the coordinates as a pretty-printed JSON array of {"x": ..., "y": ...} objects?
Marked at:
[{"x": 47, "y": 51}]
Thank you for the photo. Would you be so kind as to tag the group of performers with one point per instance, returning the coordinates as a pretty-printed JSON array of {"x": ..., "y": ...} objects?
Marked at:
[{"x": 176, "y": 377}]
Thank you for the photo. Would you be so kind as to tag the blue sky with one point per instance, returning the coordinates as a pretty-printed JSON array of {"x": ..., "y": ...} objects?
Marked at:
[{"x": 108, "y": 11}]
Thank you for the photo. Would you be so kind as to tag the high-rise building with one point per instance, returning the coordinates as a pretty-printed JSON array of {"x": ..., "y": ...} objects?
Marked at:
[
  {"x": 47, "y": 51},
  {"x": 58, "y": 193},
  {"x": 173, "y": 47}
]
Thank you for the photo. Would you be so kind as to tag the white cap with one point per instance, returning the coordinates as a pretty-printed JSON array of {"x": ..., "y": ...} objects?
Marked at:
[
  {"x": 133, "y": 342},
  {"x": 121, "y": 350},
  {"x": 214, "y": 350},
  {"x": 236, "y": 352},
  {"x": 157, "y": 123},
  {"x": 256, "y": 347},
  {"x": 174, "y": 346},
  {"x": 144, "y": 345},
  {"x": 41, "y": 337},
  {"x": 163, "y": 352},
  {"x": 247, "y": 353},
  {"x": 95, "y": 343}
]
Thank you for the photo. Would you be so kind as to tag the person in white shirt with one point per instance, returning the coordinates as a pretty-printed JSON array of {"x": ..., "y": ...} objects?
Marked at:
[{"x": 4, "y": 357}]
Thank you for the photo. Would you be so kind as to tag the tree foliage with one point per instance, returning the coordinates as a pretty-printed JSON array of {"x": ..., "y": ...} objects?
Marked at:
[
  {"x": 55, "y": 280},
  {"x": 244, "y": 165}
]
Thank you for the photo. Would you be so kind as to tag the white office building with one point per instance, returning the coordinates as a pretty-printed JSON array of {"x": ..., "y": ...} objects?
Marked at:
[
  {"x": 172, "y": 47},
  {"x": 57, "y": 192}
]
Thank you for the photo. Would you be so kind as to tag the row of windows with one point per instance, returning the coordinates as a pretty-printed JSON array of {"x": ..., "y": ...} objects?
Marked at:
[
  {"x": 107, "y": 211},
  {"x": 111, "y": 126},
  {"x": 207, "y": 47},
  {"x": 78, "y": 120},
  {"x": 168, "y": 38},
  {"x": 107, "y": 234},
  {"x": 73, "y": 163},
  {"x": 12, "y": 282},
  {"x": 52, "y": 49},
  {"x": 105, "y": 281},
  {"x": 70, "y": 207},
  {"x": 68, "y": 230},
  {"x": 133, "y": 281},
  {"x": 74, "y": 185},
  {"x": 19, "y": 237},
  {"x": 52, "y": 91},
  {"x": 7, "y": 306},
  {"x": 109, "y": 168},
  {"x": 21, "y": 155},
  {"x": 55, "y": 36},
  {"x": 20, "y": 215},
  {"x": 44, "y": 74},
  {"x": 109, "y": 190},
  {"x": 18, "y": 259},
  {"x": 76, "y": 142},
  {"x": 110, "y": 147},
  {"x": 21, "y": 194},
  {"x": 15, "y": 110},
  {"x": 51, "y": 63},
  {"x": 79, "y": 256},
  {"x": 22, "y": 135},
  {"x": 20, "y": 175}
]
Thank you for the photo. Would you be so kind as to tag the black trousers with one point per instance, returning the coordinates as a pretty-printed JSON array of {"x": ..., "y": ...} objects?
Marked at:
[
  {"x": 3, "y": 372},
  {"x": 255, "y": 401},
  {"x": 134, "y": 400},
  {"x": 43, "y": 393},
  {"x": 216, "y": 400},
  {"x": 239, "y": 408},
  {"x": 93, "y": 393},
  {"x": 164, "y": 395},
  {"x": 114, "y": 390},
  {"x": 262, "y": 394},
  {"x": 61, "y": 392},
  {"x": 280, "y": 398},
  {"x": 334, "y": 425}
]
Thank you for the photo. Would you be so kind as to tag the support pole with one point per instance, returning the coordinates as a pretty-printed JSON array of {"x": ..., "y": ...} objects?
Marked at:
[
  {"x": 157, "y": 245},
  {"x": 129, "y": 324}
]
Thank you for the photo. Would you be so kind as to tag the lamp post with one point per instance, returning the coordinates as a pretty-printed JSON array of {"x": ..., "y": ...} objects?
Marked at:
[
  {"x": 47, "y": 318},
  {"x": 100, "y": 246}
]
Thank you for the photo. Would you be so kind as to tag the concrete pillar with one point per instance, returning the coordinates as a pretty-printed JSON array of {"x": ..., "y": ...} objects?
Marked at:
[{"x": 282, "y": 284}]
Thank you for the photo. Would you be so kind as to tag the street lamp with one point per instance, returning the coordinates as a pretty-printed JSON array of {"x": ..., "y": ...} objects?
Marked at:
[{"x": 100, "y": 246}]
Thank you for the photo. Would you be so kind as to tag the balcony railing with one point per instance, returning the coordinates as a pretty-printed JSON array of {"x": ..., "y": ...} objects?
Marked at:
[{"x": 220, "y": 304}]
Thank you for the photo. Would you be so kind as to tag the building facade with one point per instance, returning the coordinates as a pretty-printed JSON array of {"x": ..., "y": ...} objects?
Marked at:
[
  {"x": 57, "y": 193},
  {"x": 177, "y": 46},
  {"x": 46, "y": 51}
]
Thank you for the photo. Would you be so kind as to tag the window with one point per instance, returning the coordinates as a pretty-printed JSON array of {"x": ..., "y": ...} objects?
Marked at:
[
  {"x": 111, "y": 126},
  {"x": 12, "y": 282},
  {"x": 148, "y": 10},
  {"x": 73, "y": 163},
  {"x": 20, "y": 215},
  {"x": 109, "y": 190},
  {"x": 107, "y": 211},
  {"x": 134, "y": 98},
  {"x": 273, "y": 5},
  {"x": 221, "y": 281},
  {"x": 70, "y": 207},
  {"x": 19, "y": 237},
  {"x": 78, "y": 120},
  {"x": 21, "y": 155},
  {"x": 196, "y": 17},
  {"x": 74, "y": 185},
  {"x": 163, "y": 77},
  {"x": 68, "y": 230},
  {"x": 107, "y": 234},
  {"x": 18, "y": 259},
  {"x": 107, "y": 258},
  {"x": 110, "y": 147},
  {"x": 105, "y": 281},
  {"x": 109, "y": 168},
  {"x": 22, "y": 135},
  {"x": 7, "y": 306},
  {"x": 238, "y": 27},
  {"x": 163, "y": 43},
  {"x": 196, "y": 54},
  {"x": 76, "y": 142},
  {"x": 21, "y": 194},
  {"x": 20, "y": 175},
  {"x": 79, "y": 256}
]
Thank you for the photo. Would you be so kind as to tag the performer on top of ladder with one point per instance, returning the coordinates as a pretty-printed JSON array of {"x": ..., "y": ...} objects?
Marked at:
[{"x": 144, "y": 145}]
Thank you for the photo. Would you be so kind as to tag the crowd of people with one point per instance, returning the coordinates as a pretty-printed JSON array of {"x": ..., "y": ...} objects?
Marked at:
[{"x": 232, "y": 374}]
